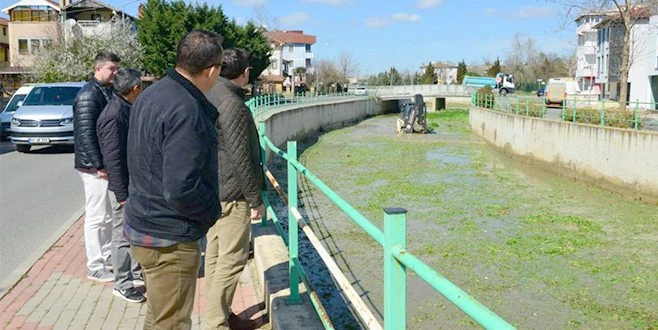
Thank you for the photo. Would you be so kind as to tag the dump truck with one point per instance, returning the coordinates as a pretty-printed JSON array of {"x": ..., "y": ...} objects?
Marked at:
[{"x": 502, "y": 83}]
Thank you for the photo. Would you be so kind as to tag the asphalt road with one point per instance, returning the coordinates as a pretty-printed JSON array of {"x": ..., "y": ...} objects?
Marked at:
[{"x": 39, "y": 192}]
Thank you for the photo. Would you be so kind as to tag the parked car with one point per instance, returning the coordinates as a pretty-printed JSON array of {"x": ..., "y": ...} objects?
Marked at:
[
  {"x": 8, "y": 112},
  {"x": 541, "y": 91},
  {"x": 45, "y": 116},
  {"x": 361, "y": 90}
]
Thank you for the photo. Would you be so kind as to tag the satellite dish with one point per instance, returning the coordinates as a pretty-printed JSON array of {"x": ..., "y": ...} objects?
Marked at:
[{"x": 70, "y": 22}]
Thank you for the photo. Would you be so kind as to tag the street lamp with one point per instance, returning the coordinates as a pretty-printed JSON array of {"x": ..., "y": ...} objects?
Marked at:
[{"x": 123, "y": 17}]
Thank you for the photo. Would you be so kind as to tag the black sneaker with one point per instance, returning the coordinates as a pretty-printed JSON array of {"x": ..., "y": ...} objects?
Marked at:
[{"x": 129, "y": 295}]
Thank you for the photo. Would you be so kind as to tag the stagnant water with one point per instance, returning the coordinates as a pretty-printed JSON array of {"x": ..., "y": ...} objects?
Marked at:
[{"x": 540, "y": 250}]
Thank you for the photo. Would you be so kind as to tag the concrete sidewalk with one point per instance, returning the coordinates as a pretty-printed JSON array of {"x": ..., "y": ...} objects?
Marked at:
[{"x": 56, "y": 294}]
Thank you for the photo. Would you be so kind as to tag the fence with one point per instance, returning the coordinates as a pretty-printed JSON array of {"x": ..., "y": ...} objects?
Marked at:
[
  {"x": 393, "y": 240},
  {"x": 577, "y": 110}
]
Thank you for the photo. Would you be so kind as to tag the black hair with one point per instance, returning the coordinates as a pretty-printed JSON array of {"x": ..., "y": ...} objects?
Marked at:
[
  {"x": 105, "y": 56},
  {"x": 236, "y": 60},
  {"x": 125, "y": 79},
  {"x": 199, "y": 50}
]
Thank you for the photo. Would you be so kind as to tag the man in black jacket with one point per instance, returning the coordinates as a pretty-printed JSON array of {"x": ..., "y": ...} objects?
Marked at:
[
  {"x": 242, "y": 182},
  {"x": 88, "y": 104},
  {"x": 113, "y": 139},
  {"x": 174, "y": 193}
]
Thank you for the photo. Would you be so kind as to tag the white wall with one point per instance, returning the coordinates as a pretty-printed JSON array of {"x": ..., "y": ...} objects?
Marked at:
[
  {"x": 609, "y": 157},
  {"x": 642, "y": 58}
]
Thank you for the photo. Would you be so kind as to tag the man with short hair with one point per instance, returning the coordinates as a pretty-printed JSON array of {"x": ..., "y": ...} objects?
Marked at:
[
  {"x": 88, "y": 104},
  {"x": 242, "y": 181},
  {"x": 112, "y": 130},
  {"x": 174, "y": 193}
]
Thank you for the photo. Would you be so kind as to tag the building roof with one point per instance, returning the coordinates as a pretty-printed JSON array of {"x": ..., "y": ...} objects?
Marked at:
[
  {"x": 4, "y": 21},
  {"x": 94, "y": 4},
  {"x": 32, "y": 3},
  {"x": 272, "y": 78},
  {"x": 638, "y": 12},
  {"x": 291, "y": 37},
  {"x": 441, "y": 65}
]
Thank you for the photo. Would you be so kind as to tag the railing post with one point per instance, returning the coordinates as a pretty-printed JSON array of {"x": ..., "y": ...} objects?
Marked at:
[
  {"x": 293, "y": 250},
  {"x": 574, "y": 110},
  {"x": 602, "y": 112},
  {"x": 637, "y": 113},
  {"x": 263, "y": 158},
  {"x": 395, "y": 273}
]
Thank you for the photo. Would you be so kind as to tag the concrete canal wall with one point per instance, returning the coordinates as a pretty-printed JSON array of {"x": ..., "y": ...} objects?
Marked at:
[{"x": 621, "y": 159}]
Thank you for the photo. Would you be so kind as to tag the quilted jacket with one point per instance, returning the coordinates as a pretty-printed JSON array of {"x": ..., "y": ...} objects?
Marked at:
[
  {"x": 241, "y": 174},
  {"x": 90, "y": 101}
]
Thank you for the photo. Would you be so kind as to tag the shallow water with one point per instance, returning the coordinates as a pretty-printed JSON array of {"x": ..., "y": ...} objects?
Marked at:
[{"x": 540, "y": 250}]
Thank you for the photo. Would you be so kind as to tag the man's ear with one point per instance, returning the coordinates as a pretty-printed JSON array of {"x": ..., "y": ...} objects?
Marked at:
[{"x": 214, "y": 69}]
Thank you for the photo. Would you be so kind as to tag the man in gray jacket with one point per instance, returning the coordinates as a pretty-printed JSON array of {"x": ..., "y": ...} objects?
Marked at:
[{"x": 242, "y": 182}]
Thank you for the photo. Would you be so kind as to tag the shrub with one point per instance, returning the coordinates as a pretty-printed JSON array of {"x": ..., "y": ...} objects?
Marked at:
[
  {"x": 617, "y": 117},
  {"x": 485, "y": 98},
  {"x": 530, "y": 107}
]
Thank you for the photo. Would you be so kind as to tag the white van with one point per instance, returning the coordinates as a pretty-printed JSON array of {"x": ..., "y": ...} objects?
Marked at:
[
  {"x": 8, "y": 112},
  {"x": 560, "y": 89}
]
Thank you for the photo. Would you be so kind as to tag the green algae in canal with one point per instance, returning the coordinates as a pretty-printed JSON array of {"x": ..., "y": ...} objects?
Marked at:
[{"x": 541, "y": 250}]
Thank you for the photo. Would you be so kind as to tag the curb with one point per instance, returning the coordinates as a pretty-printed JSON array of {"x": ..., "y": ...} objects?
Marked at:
[{"x": 17, "y": 275}]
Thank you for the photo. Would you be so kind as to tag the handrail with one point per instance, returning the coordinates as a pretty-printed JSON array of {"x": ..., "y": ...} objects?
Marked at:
[{"x": 396, "y": 258}]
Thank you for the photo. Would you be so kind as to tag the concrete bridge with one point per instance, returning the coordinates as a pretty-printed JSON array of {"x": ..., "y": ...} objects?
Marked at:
[{"x": 434, "y": 95}]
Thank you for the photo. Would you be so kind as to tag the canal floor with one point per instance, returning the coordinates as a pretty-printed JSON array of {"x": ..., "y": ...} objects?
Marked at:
[{"x": 541, "y": 250}]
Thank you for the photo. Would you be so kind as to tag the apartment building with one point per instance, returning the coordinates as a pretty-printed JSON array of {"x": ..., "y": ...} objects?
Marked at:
[
  {"x": 290, "y": 50},
  {"x": 446, "y": 72},
  {"x": 4, "y": 42},
  {"x": 32, "y": 24},
  {"x": 586, "y": 51},
  {"x": 643, "y": 52}
]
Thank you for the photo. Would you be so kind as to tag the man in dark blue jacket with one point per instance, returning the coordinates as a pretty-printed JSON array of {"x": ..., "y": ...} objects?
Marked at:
[
  {"x": 112, "y": 128},
  {"x": 88, "y": 104},
  {"x": 173, "y": 188}
]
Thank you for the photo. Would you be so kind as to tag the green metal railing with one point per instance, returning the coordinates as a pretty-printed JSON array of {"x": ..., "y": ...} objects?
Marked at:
[
  {"x": 393, "y": 239},
  {"x": 264, "y": 104},
  {"x": 586, "y": 111}
]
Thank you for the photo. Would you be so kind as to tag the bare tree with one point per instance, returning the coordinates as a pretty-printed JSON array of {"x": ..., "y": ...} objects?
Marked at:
[
  {"x": 623, "y": 14},
  {"x": 348, "y": 65}
]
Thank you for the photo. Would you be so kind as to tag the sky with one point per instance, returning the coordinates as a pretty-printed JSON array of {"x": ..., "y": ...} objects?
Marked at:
[{"x": 405, "y": 34}]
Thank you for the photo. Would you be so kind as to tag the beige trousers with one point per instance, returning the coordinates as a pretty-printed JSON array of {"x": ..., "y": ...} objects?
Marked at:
[
  {"x": 227, "y": 251},
  {"x": 170, "y": 274}
]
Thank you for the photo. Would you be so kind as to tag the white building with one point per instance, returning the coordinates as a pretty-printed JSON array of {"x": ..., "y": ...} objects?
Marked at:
[
  {"x": 586, "y": 51},
  {"x": 290, "y": 50},
  {"x": 446, "y": 72},
  {"x": 642, "y": 57}
]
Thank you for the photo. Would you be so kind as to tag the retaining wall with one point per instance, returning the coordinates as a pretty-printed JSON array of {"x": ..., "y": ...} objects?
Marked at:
[{"x": 622, "y": 159}]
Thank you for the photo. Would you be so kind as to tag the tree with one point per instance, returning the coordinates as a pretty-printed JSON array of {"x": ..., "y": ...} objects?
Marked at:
[
  {"x": 73, "y": 59},
  {"x": 495, "y": 68},
  {"x": 429, "y": 76},
  {"x": 395, "y": 77},
  {"x": 347, "y": 64},
  {"x": 461, "y": 71},
  {"x": 164, "y": 23},
  {"x": 623, "y": 14}
]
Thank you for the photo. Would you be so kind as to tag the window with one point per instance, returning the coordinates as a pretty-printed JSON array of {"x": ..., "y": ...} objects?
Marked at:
[
  {"x": 35, "y": 44},
  {"x": 55, "y": 95},
  {"x": 275, "y": 65},
  {"x": 308, "y": 48},
  {"x": 96, "y": 17},
  {"x": 46, "y": 42},
  {"x": 291, "y": 48},
  {"x": 4, "y": 31},
  {"x": 22, "y": 46},
  {"x": 308, "y": 62}
]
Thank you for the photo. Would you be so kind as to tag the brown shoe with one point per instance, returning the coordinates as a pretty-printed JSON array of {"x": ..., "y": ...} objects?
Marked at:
[{"x": 236, "y": 323}]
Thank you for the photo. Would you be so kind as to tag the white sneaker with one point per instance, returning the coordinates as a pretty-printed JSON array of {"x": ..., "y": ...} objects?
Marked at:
[{"x": 101, "y": 275}]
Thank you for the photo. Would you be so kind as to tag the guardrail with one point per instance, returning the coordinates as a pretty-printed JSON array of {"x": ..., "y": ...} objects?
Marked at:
[
  {"x": 585, "y": 111},
  {"x": 262, "y": 105},
  {"x": 393, "y": 239}
]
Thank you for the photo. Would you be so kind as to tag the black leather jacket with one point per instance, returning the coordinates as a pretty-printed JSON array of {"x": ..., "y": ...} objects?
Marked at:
[
  {"x": 90, "y": 101},
  {"x": 112, "y": 128}
]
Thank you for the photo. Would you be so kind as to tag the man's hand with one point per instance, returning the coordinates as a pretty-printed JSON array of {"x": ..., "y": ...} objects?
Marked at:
[
  {"x": 257, "y": 212},
  {"x": 102, "y": 174}
]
